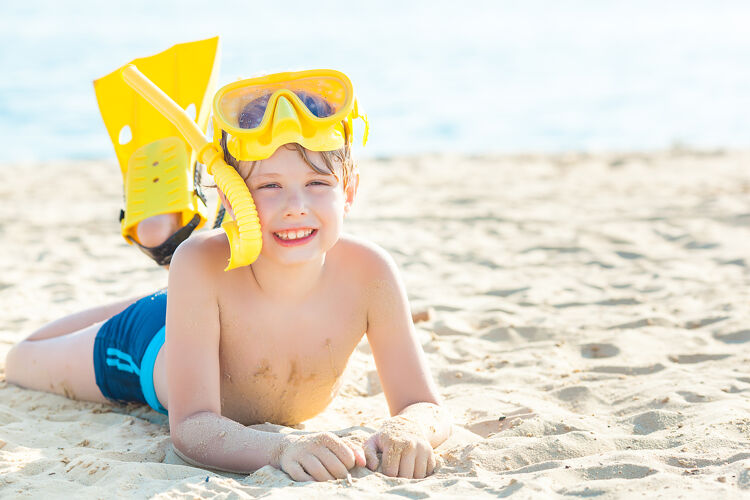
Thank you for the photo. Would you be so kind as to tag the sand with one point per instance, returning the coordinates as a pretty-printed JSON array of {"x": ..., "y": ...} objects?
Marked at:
[{"x": 599, "y": 303}]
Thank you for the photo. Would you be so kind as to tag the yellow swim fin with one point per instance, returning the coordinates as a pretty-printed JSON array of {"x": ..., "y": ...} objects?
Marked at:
[{"x": 158, "y": 166}]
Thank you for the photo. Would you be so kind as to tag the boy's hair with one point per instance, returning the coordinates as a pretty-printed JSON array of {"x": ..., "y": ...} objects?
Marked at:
[{"x": 251, "y": 116}]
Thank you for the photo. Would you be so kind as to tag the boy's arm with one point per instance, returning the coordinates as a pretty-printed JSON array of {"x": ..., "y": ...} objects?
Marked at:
[
  {"x": 198, "y": 431},
  {"x": 200, "y": 434},
  {"x": 418, "y": 419}
]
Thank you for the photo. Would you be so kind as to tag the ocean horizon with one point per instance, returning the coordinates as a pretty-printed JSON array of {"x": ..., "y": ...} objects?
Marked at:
[{"x": 480, "y": 78}]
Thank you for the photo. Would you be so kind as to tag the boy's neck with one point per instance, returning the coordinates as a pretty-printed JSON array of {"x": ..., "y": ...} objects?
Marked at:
[{"x": 283, "y": 282}]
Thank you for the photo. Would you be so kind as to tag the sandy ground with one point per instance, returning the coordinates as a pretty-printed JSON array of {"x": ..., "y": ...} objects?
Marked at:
[{"x": 598, "y": 302}]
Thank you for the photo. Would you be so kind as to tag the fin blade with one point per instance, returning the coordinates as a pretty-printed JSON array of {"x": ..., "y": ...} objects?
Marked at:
[{"x": 186, "y": 72}]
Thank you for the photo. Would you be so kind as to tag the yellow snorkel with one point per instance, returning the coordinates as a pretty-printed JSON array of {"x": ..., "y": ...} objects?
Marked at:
[{"x": 244, "y": 234}]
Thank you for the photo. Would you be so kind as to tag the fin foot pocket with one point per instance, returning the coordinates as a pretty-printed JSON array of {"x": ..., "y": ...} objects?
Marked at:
[
  {"x": 158, "y": 181},
  {"x": 162, "y": 254}
]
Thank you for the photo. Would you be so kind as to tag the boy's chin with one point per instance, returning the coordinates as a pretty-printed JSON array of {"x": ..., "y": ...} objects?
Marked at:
[
  {"x": 301, "y": 260},
  {"x": 293, "y": 256}
]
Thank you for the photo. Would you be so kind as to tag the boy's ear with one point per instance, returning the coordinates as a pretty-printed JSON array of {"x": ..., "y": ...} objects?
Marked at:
[{"x": 351, "y": 192}]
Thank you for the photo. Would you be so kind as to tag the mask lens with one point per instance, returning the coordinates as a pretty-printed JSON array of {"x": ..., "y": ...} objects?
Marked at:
[
  {"x": 252, "y": 114},
  {"x": 245, "y": 107},
  {"x": 315, "y": 104}
]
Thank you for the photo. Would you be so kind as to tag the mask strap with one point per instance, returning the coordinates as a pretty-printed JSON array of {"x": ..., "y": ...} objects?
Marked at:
[
  {"x": 355, "y": 114},
  {"x": 367, "y": 128},
  {"x": 349, "y": 128}
]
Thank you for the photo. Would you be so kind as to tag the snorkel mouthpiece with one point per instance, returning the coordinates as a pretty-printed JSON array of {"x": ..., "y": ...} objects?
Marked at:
[{"x": 244, "y": 232}]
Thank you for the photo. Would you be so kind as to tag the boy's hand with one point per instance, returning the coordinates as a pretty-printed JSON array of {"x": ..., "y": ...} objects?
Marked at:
[
  {"x": 319, "y": 457},
  {"x": 406, "y": 452}
]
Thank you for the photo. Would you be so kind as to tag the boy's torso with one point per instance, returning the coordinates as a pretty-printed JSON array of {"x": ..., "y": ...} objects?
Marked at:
[{"x": 282, "y": 363}]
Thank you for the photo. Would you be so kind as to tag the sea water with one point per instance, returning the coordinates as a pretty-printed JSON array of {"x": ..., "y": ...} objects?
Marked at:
[{"x": 434, "y": 76}]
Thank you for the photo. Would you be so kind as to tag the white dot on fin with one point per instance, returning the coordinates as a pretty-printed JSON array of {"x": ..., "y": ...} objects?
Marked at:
[
  {"x": 190, "y": 110},
  {"x": 125, "y": 135}
]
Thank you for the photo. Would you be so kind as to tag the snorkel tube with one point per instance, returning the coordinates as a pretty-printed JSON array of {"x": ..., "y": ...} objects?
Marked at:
[{"x": 244, "y": 234}]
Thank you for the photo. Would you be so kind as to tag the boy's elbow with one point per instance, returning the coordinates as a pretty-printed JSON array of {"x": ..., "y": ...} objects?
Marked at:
[
  {"x": 189, "y": 436},
  {"x": 194, "y": 441},
  {"x": 188, "y": 456},
  {"x": 206, "y": 439}
]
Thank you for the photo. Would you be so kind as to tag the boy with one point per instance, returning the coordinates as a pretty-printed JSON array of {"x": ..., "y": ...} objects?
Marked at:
[{"x": 263, "y": 342}]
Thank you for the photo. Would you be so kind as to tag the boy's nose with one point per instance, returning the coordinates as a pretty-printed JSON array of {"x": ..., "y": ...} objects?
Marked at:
[{"x": 295, "y": 204}]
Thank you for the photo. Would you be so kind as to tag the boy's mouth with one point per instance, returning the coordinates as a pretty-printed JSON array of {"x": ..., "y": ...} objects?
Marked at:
[{"x": 294, "y": 236}]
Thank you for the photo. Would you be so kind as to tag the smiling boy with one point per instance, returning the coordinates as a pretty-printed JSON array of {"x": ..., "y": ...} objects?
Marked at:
[
  {"x": 269, "y": 342},
  {"x": 223, "y": 350},
  {"x": 288, "y": 324}
]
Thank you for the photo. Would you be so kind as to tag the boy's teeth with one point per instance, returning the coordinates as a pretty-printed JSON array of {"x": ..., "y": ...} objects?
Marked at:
[{"x": 294, "y": 235}]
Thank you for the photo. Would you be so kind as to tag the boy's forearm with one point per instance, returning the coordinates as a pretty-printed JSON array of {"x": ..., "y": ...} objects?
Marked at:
[
  {"x": 433, "y": 419},
  {"x": 210, "y": 440}
]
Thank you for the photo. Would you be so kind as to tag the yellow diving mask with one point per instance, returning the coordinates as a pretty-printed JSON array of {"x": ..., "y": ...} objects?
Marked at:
[{"x": 313, "y": 108}]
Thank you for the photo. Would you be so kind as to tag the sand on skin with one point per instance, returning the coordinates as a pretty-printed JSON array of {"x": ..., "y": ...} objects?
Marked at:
[{"x": 599, "y": 302}]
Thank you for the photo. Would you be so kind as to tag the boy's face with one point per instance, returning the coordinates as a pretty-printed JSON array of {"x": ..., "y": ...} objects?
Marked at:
[{"x": 301, "y": 211}]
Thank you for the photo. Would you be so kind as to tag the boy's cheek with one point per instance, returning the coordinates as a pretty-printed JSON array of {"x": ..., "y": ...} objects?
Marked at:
[{"x": 262, "y": 207}]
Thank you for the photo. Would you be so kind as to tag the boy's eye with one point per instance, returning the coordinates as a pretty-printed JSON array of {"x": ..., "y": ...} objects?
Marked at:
[{"x": 276, "y": 185}]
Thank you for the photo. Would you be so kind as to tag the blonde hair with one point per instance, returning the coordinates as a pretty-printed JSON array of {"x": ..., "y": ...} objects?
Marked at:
[{"x": 342, "y": 156}]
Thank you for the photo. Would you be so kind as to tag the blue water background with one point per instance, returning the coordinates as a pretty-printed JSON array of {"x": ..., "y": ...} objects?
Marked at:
[{"x": 471, "y": 77}]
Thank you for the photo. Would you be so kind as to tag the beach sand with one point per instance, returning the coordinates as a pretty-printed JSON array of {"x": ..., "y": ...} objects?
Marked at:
[{"x": 590, "y": 329}]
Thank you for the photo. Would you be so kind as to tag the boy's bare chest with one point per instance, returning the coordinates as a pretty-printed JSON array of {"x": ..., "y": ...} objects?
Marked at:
[{"x": 284, "y": 365}]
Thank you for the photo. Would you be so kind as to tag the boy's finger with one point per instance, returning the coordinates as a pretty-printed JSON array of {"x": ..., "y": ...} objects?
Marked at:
[
  {"x": 332, "y": 463},
  {"x": 342, "y": 450},
  {"x": 316, "y": 469},
  {"x": 371, "y": 455},
  {"x": 420, "y": 464},
  {"x": 391, "y": 459},
  {"x": 296, "y": 472},
  {"x": 431, "y": 462},
  {"x": 359, "y": 454},
  {"x": 406, "y": 464}
]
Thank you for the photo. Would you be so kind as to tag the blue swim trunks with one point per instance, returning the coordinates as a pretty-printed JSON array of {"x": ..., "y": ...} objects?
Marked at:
[{"x": 125, "y": 351}]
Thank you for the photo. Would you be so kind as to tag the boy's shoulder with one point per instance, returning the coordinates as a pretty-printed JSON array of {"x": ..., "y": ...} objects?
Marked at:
[
  {"x": 371, "y": 272},
  {"x": 209, "y": 250},
  {"x": 363, "y": 257},
  {"x": 360, "y": 247}
]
